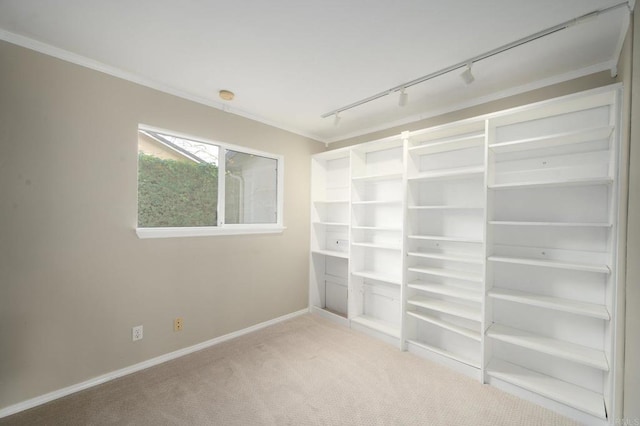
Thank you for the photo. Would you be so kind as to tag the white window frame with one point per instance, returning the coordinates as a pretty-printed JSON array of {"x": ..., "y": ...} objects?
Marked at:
[{"x": 222, "y": 228}]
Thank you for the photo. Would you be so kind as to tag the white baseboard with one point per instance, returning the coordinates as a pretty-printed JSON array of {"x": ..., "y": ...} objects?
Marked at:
[{"x": 39, "y": 400}]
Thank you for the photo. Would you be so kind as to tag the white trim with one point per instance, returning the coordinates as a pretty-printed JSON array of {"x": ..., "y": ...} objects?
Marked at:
[
  {"x": 83, "y": 61},
  {"x": 208, "y": 231},
  {"x": 42, "y": 399},
  {"x": 604, "y": 66}
]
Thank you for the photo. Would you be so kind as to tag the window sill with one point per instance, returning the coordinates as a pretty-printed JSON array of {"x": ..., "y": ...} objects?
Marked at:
[{"x": 208, "y": 231}]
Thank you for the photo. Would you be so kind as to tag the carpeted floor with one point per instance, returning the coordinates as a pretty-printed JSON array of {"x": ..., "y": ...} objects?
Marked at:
[{"x": 305, "y": 371}]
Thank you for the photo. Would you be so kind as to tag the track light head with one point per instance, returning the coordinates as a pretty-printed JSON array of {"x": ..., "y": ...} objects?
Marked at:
[
  {"x": 467, "y": 76},
  {"x": 403, "y": 99},
  {"x": 336, "y": 119}
]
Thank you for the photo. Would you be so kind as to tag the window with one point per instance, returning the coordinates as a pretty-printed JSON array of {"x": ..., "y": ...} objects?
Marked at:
[{"x": 190, "y": 187}]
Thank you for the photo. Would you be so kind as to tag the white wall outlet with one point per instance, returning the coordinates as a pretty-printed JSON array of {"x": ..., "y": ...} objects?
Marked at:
[{"x": 136, "y": 333}]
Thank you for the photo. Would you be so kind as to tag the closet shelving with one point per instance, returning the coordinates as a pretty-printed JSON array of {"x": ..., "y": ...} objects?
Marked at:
[
  {"x": 330, "y": 192},
  {"x": 445, "y": 243},
  {"x": 376, "y": 247},
  {"x": 489, "y": 245},
  {"x": 551, "y": 250}
]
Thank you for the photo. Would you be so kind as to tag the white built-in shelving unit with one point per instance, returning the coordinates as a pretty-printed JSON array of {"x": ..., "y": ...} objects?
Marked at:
[
  {"x": 330, "y": 220},
  {"x": 377, "y": 171},
  {"x": 445, "y": 244},
  {"x": 551, "y": 282},
  {"x": 488, "y": 245}
]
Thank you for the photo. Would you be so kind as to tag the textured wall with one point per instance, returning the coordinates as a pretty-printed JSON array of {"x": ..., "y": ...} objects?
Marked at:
[{"x": 74, "y": 277}]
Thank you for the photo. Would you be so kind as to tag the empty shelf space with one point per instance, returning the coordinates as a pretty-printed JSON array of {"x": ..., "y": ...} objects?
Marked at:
[
  {"x": 450, "y": 308},
  {"x": 378, "y": 325},
  {"x": 444, "y": 353},
  {"x": 552, "y": 141},
  {"x": 443, "y": 238},
  {"x": 447, "y": 290},
  {"x": 551, "y": 224},
  {"x": 334, "y": 312},
  {"x": 471, "y": 334},
  {"x": 565, "y": 305},
  {"x": 376, "y": 177},
  {"x": 462, "y": 172},
  {"x": 554, "y": 347},
  {"x": 453, "y": 144},
  {"x": 566, "y": 393},
  {"x": 333, "y": 253},
  {"x": 443, "y": 256},
  {"x": 378, "y": 277},
  {"x": 377, "y": 246},
  {"x": 449, "y": 273},
  {"x": 604, "y": 269},
  {"x": 548, "y": 183}
]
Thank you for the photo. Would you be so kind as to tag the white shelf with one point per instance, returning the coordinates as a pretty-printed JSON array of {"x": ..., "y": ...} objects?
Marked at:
[
  {"x": 375, "y": 202},
  {"x": 447, "y": 290},
  {"x": 378, "y": 325},
  {"x": 559, "y": 183},
  {"x": 443, "y": 238},
  {"x": 445, "y": 207},
  {"x": 333, "y": 253},
  {"x": 552, "y": 141},
  {"x": 444, "y": 353},
  {"x": 464, "y": 142},
  {"x": 377, "y": 246},
  {"x": 450, "y": 308},
  {"x": 449, "y": 273},
  {"x": 566, "y": 393},
  {"x": 457, "y": 173},
  {"x": 331, "y": 223},
  {"x": 378, "y": 277},
  {"x": 551, "y": 224},
  {"x": 377, "y": 177},
  {"x": 603, "y": 269},
  {"x": 378, "y": 228},
  {"x": 570, "y": 351},
  {"x": 565, "y": 305},
  {"x": 462, "y": 258},
  {"x": 471, "y": 334}
]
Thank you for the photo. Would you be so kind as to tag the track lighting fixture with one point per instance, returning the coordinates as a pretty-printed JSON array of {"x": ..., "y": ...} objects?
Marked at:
[
  {"x": 336, "y": 119},
  {"x": 466, "y": 75},
  {"x": 404, "y": 98}
]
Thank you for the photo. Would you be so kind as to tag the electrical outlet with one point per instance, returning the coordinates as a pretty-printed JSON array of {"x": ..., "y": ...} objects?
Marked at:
[
  {"x": 136, "y": 333},
  {"x": 177, "y": 324}
]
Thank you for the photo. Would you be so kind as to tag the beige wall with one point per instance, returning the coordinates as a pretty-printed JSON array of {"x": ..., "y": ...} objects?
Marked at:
[{"x": 74, "y": 277}]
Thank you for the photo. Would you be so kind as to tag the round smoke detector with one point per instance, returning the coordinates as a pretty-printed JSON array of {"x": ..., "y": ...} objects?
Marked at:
[{"x": 227, "y": 95}]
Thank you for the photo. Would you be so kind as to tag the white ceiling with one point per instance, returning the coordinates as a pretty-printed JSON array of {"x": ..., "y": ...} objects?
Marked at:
[{"x": 290, "y": 61}]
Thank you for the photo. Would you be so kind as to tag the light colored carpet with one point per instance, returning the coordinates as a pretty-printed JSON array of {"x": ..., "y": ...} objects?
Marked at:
[{"x": 305, "y": 371}]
